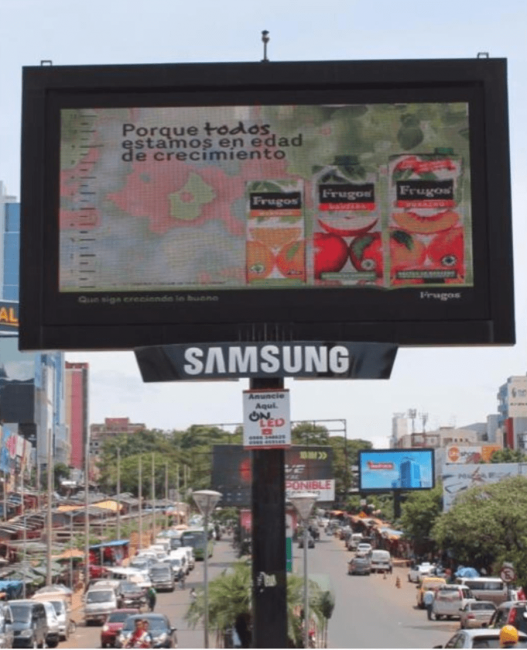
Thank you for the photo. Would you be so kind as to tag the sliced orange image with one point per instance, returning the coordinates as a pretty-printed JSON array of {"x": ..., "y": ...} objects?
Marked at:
[
  {"x": 275, "y": 237},
  {"x": 260, "y": 261}
]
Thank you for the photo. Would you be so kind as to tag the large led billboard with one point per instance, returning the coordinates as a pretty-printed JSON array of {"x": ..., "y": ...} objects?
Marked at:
[
  {"x": 364, "y": 201},
  {"x": 396, "y": 469},
  {"x": 307, "y": 469}
]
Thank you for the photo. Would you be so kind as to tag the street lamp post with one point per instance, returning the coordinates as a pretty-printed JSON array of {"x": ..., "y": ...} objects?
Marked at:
[
  {"x": 206, "y": 501},
  {"x": 140, "y": 499},
  {"x": 303, "y": 503}
]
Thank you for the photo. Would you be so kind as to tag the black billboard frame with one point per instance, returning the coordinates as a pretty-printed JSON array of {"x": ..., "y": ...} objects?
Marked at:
[{"x": 54, "y": 320}]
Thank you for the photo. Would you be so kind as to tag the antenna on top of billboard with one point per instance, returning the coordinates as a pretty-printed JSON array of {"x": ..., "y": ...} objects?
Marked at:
[{"x": 265, "y": 40}]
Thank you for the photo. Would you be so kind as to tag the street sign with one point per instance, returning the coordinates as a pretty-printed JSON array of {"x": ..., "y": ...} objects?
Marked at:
[{"x": 507, "y": 574}]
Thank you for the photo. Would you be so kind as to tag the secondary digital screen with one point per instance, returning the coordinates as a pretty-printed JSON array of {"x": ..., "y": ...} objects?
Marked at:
[
  {"x": 205, "y": 198},
  {"x": 396, "y": 469}
]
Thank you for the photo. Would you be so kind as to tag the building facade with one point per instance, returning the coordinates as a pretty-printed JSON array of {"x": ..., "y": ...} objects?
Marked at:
[
  {"x": 31, "y": 384},
  {"x": 76, "y": 411},
  {"x": 512, "y": 399},
  {"x": 111, "y": 428}
]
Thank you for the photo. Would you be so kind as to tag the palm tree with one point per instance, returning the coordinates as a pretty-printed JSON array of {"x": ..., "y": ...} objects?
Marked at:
[{"x": 230, "y": 599}]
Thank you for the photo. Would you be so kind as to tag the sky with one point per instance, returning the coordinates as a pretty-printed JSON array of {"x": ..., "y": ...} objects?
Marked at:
[{"x": 452, "y": 386}]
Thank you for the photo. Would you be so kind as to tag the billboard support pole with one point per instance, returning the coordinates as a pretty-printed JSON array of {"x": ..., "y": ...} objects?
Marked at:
[
  {"x": 397, "y": 504},
  {"x": 268, "y": 540}
]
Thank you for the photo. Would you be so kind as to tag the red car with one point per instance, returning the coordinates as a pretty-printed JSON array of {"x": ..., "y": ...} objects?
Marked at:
[{"x": 113, "y": 625}]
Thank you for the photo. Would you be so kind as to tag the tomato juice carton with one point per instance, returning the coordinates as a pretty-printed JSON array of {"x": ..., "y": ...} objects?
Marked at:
[
  {"x": 347, "y": 235},
  {"x": 426, "y": 219},
  {"x": 275, "y": 248}
]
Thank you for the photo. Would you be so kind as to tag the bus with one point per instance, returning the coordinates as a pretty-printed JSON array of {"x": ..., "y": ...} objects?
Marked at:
[{"x": 198, "y": 539}]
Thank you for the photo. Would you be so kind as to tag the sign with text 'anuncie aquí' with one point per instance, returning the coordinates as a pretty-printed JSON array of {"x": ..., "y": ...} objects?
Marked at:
[{"x": 266, "y": 419}]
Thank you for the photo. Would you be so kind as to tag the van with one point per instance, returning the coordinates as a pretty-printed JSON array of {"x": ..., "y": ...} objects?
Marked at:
[
  {"x": 190, "y": 556},
  {"x": 449, "y": 600},
  {"x": 53, "y": 635},
  {"x": 381, "y": 561},
  {"x": 354, "y": 541},
  {"x": 162, "y": 577},
  {"x": 30, "y": 624},
  {"x": 62, "y": 610},
  {"x": 493, "y": 589},
  {"x": 98, "y": 603},
  {"x": 182, "y": 555}
]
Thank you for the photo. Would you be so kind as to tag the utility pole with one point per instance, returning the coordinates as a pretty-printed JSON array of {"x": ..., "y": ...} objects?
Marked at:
[
  {"x": 166, "y": 495},
  {"x": 153, "y": 498},
  {"x": 50, "y": 504},
  {"x": 118, "y": 493},
  {"x": 140, "y": 498}
]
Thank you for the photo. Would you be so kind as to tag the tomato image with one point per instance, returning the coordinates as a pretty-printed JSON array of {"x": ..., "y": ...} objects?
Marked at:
[
  {"x": 260, "y": 261},
  {"x": 426, "y": 225},
  {"x": 366, "y": 253},
  {"x": 291, "y": 260},
  {"x": 447, "y": 251},
  {"x": 406, "y": 252},
  {"x": 331, "y": 253},
  {"x": 349, "y": 226}
]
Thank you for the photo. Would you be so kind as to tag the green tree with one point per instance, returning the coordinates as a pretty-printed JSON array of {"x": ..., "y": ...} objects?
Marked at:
[
  {"x": 487, "y": 526},
  {"x": 60, "y": 473},
  {"x": 230, "y": 601},
  {"x": 508, "y": 456},
  {"x": 419, "y": 514}
]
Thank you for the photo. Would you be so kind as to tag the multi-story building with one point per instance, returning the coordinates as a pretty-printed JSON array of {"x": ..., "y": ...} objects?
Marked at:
[
  {"x": 512, "y": 399},
  {"x": 31, "y": 384},
  {"x": 112, "y": 427},
  {"x": 399, "y": 428},
  {"x": 76, "y": 401}
]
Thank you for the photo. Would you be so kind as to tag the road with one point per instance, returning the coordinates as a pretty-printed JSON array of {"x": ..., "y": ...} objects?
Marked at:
[{"x": 370, "y": 612}]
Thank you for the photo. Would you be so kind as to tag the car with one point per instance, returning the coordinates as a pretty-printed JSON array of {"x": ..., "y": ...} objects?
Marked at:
[
  {"x": 449, "y": 600},
  {"x": 483, "y": 638},
  {"x": 162, "y": 632},
  {"x": 53, "y": 633},
  {"x": 130, "y": 595},
  {"x": 477, "y": 613},
  {"x": 417, "y": 571},
  {"x": 310, "y": 541},
  {"x": 363, "y": 548},
  {"x": 359, "y": 565},
  {"x": 162, "y": 577},
  {"x": 512, "y": 612},
  {"x": 114, "y": 624}
]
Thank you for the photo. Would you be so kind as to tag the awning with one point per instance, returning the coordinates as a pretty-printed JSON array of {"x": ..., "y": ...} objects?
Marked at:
[{"x": 115, "y": 542}]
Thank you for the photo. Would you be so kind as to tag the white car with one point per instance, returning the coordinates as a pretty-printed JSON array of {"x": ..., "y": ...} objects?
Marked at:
[
  {"x": 417, "y": 572},
  {"x": 484, "y": 638},
  {"x": 363, "y": 548}
]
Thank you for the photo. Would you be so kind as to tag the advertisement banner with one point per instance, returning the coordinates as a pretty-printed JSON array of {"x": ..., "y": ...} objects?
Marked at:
[
  {"x": 8, "y": 317},
  {"x": 266, "y": 196},
  {"x": 401, "y": 469},
  {"x": 234, "y": 360},
  {"x": 459, "y": 478},
  {"x": 470, "y": 454},
  {"x": 310, "y": 464},
  {"x": 266, "y": 419}
]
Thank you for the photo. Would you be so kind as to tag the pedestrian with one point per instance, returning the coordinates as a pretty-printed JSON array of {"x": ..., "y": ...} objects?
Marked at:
[
  {"x": 192, "y": 595},
  {"x": 151, "y": 597},
  {"x": 428, "y": 601},
  {"x": 508, "y": 636},
  {"x": 182, "y": 580}
]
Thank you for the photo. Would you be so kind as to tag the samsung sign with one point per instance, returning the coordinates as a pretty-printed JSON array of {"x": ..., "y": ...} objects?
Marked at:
[{"x": 299, "y": 359}]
